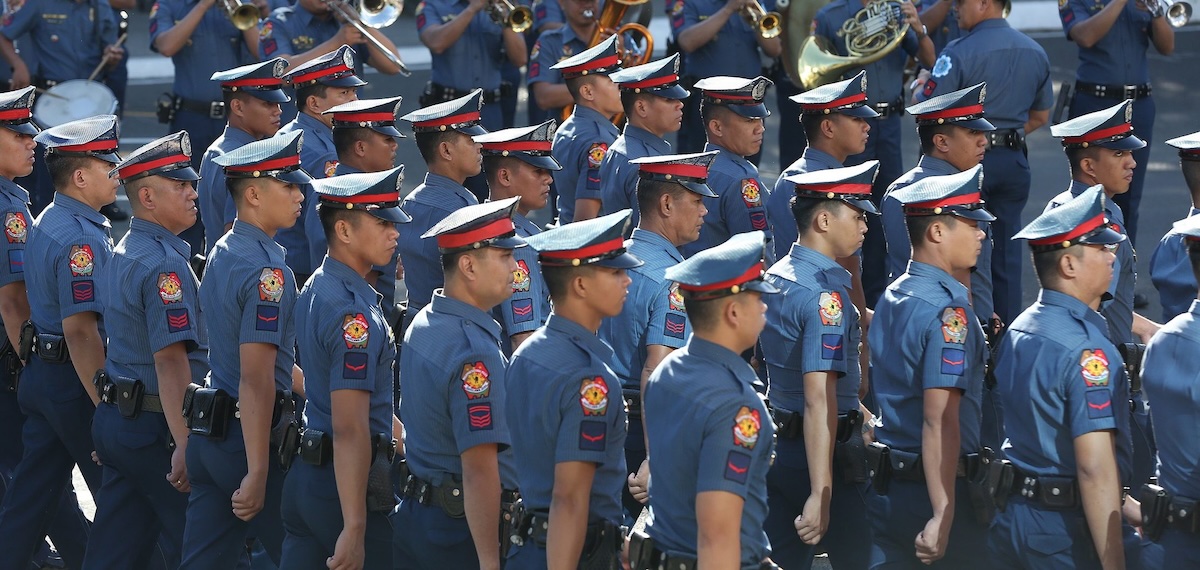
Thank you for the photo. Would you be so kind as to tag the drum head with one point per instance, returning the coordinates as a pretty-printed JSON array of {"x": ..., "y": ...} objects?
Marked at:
[{"x": 72, "y": 100}]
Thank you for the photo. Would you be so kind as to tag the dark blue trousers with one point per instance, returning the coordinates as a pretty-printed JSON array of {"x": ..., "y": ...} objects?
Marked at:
[
  {"x": 883, "y": 145},
  {"x": 1180, "y": 549},
  {"x": 898, "y": 518},
  {"x": 1006, "y": 182},
  {"x": 1030, "y": 537},
  {"x": 1144, "y": 111},
  {"x": 425, "y": 538},
  {"x": 635, "y": 453},
  {"x": 312, "y": 517}
]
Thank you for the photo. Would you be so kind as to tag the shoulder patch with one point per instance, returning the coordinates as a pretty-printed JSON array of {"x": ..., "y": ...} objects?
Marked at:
[
  {"x": 737, "y": 466},
  {"x": 475, "y": 382},
  {"x": 954, "y": 325},
  {"x": 178, "y": 321},
  {"x": 1099, "y": 403},
  {"x": 751, "y": 193},
  {"x": 480, "y": 416},
  {"x": 270, "y": 284},
  {"x": 355, "y": 330},
  {"x": 170, "y": 288},
  {"x": 154, "y": 10},
  {"x": 942, "y": 66},
  {"x": 675, "y": 299},
  {"x": 593, "y": 396},
  {"x": 265, "y": 31},
  {"x": 1093, "y": 365},
  {"x": 520, "y": 277},
  {"x": 1062, "y": 4},
  {"x": 537, "y": 50},
  {"x": 522, "y": 310},
  {"x": 675, "y": 325},
  {"x": 676, "y": 7},
  {"x": 16, "y": 228},
  {"x": 330, "y": 168},
  {"x": 81, "y": 260},
  {"x": 596, "y": 154},
  {"x": 746, "y": 425},
  {"x": 830, "y": 308}
]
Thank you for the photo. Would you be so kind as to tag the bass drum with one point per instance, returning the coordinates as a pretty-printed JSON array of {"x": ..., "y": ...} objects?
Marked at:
[{"x": 72, "y": 100}]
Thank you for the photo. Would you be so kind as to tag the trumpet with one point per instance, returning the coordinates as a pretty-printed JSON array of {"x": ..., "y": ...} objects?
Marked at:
[
  {"x": 242, "y": 14},
  {"x": 516, "y": 18},
  {"x": 1177, "y": 14},
  {"x": 767, "y": 24},
  {"x": 376, "y": 14}
]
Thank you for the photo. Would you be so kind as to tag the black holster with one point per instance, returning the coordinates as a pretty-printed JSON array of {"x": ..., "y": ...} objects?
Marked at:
[
  {"x": 126, "y": 393},
  {"x": 879, "y": 467},
  {"x": 10, "y": 367},
  {"x": 602, "y": 547},
  {"x": 1156, "y": 504},
  {"x": 850, "y": 458},
  {"x": 25, "y": 349},
  {"x": 641, "y": 551},
  {"x": 165, "y": 107},
  {"x": 380, "y": 496},
  {"x": 788, "y": 424},
  {"x": 981, "y": 482},
  {"x": 207, "y": 411}
]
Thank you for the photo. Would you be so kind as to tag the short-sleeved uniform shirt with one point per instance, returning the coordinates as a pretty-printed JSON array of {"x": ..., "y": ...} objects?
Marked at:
[
  {"x": 561, "y": 387},
  {"x": 318, "y": 157},
  {"x": 73, "y": 246},
  {"x": 618, "y": 178},
  {"x": 1168, "y": 378},
  {"x": 152, "y": 298},
  {"x": 14, "y": 206},
  {"x": 428, "y": 204},
  {"x": 1119, "y": 57},
  {"x": 474, "y": 60},
  {"x": 925, "y": 335},
  {"x": 550, "y": 48},
  {"x": 710, "y": 431},
  {"x": 215, "y": 202},
  {"x": 215, "y": 45},
  {"x": 345, "y": 344},
  {"x": 739, "y": 205},
  {"x": 885, "y": 77},
  {"x": 727, "y": 53},
  {"x": 249, "y": 296},
  {"x": 580, "y": 145},
  {"x": 292, "y": 30},
  {"x": 1171, "y": 273},
  {"x": 779, "y": 209},
  {"x": 453, "y": 377},
  {"x": 69, "y": 36},
  {"x": 529, "y": 306}
]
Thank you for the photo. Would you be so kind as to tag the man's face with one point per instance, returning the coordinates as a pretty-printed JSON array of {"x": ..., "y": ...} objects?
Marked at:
[
  {"x": 282, "y": 202},
  {"x": 610, "y": 287},
  {"x": 965, "y": 241},
  {"x": 1113, "y": 169},
  {"x": 101, "y": 188},
  {"x": 379, "y": 151},
  {"x": 850, "y": 133},
  {"x": 16, "y": 154},
  {"x": 966, "y": 148},
  {"x": 175, "y": 202},
  {"x": 607, "y": 95},
  {"x": 499, "y": 265},
  {"x": 261, "y": 117},
  {"x": 575, "y": 12},
  {"x": 464, "y": 153},
  {"x": 688, "y": 215},
  {"x": 848, "y": 226},
  {"x": 373, "y": 238},
  {"x": 742, "y": 136},
  {"x": 334, "y": 96},
  {"x": 664, "y": 115},
  {"x": 532, "y": 185}
]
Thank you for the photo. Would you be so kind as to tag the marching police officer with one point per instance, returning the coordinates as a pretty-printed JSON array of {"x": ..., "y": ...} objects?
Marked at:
[
  {"x": 545, "y": 79},
  {"x": 70, "y": 241},
  {"x": 309, "y": 29},
  {"x": 653, "y": 103},
  {"x": 570, "y": 447},
  {"x": 940, "y": 18},
  {"x": 443, "y": 133},
  {"x": 582, "y": 141},
  {"x": 518, "y": 164},
  {"x": 71, "y": 39},
  {"x": 927, "y": 358},
  {"x": 248, "y": 294},
  {"x": 1064, "y": 389},
  {"x": 733, "y": 113},
  {"x": 1169, "y": 266},
  {"x": 810, "y": 348},
  {"x": 252, "y": 95},
  {"x": 337, "y": 496},
  {"x": 710, "y": 501},
  {"x": 653, "y": 321},
  {"x": 151, "y": 298},
  {"x": 454, "y": 381}
]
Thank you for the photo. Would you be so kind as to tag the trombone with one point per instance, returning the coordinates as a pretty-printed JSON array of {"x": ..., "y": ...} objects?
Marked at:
[
  {"x": 376, "y": 14},
  {"x": 767, "y": 24},
  {"x": 517, "y": 18}
]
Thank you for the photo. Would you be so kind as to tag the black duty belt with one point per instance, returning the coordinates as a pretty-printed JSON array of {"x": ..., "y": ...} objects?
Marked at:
[
  {"x": 127, "y": 394},
  {"x": 213, "y": 109},
  {"x": 448, "y": 496},
  {"x": 905, "y": 469},
  {"x": 1049, "y": 492},
  {"x": 1118, "y": 92},
  {"x": 889, "y": 109},
  {"x": 437, "y": 92},
  {"x": 316, "y": 447},
  {"x": 790, "y": 425},
  {"x": 1006, "y": 138},
  {"x": 535, "y": 526}
]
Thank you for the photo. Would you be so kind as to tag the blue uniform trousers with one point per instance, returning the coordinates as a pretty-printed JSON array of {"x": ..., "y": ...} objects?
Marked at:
[
  {"x": 213, "y": 536},
  {"x": 1006, "y": 189},
  {"x": 425, "y": 538},
  {"x": 203, "y": 130},
  {"x": 883, "y": 145},
  {"x": 1179, "y": 549},
  {"x": 1143, "y": 125},
  {"x": 528, "y": 556},
  {"x": 898, "y": 518},
  {"x": 1030, "y": 537},
  {"x": 56, "y": 436},
  {"x": 136, "y": 504},
  {"x": 312, "y": 517},
  {"x": 635, "y": 453}
]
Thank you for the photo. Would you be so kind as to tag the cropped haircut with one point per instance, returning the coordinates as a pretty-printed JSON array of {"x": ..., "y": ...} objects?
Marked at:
[
  {"x": 805, "y": 210},
  {"x": 62, "y": 167},
  {"x": 427, "y": 142},
  {"x": 650, "y": 191},
  {"x": 320, "y": 90},
  {"x": 919, "y": 225}
]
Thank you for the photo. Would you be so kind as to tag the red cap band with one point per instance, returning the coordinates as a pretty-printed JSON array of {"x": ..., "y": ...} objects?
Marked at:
[
  {"x": 844, "y": 101},
  {"x": 14, "y": 114},
  {"x": 364, "y": 198},
  {"x": 687, "y": 170},
  {"x": 102, "y": 144},
  {"x": 952, "y": 113},
  {"x": 1080, "y": 230},
  {"x": 751, "y": 274},
  {"x": 837, "y": 188},
  {"x": 254, "y": 82},
  {"x": 1100, "y": 134},
  {"x": 972, "y": 198},
  {"x": 652, "y": 82},
  {"x": 276, "y": 164},
  {"x": 138, "y": 168},
  {"x": 319, "y": 73},
  {"x": 519, "y": 146},
  {"x": 586, "y": 252},
  {"x": 450, "y": 120},
  {"x": 593, "y": 64},
  {"x": 373, "y": 117},
  {"x": 487, "y": 231}
]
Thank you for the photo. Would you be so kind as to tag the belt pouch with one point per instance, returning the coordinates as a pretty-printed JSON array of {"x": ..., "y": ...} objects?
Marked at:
[
  {"x": 129, "y": 393},
  {"x": 210, "y": 413},
  {"x": 1156, "y": 503},
  {"x": 879, "y": 466}
]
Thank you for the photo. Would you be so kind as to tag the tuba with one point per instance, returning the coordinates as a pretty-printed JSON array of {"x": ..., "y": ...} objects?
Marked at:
[
  {"x": 612, "y": 21},
  {"x": 874, "y": 32}
]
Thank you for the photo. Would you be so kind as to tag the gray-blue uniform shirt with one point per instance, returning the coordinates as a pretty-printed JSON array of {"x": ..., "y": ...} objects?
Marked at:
[
  {"x": 925, "y": 335},
  {"x": 653, "y": 312},
  {"x": 550, "y": 48},
  {"x": 738, "y": 207},
  {"x": 292, "y": 30},
  {"x": 779, "y": 209},
  {"x": 428, "y": 204},
  {"x": 1169, "y": 376},
  {"x": 73, "y": 246},
  {"x": 529, "y": 306},
  {"x": 453, "y": 377},
  {"x": 214, "y": 46},
  {"x": 474, "y": 60},
  {"x": 249, "y": 295},
  {"x": 885, "y": 77},
  {"x": 729, "y": 52},
  {"x": 152, "y": 298},
  {"x": 346, "y": 344},
  {"x": 710, "y": 431},
  {"x": 69, "y": 35},
  {"x": 618, "y": 179},
  {"x": 560, "y": 384},
  {"x": 215, "y": 202},
  {"x": 1119, "y": 57},
  {"x": 14, "y": 206},
  {"x": 319, "y": 158},
  {"x": 1171, "y": 273},
  {"x": 580, "y": 145}
]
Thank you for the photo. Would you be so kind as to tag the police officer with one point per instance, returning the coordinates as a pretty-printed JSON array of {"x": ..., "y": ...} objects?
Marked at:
[
  {"x": 1113, "y": 36},
  {"x": 733, "y": 113},
  {"x": 518, "y": 164},
  {"x": 252, "y": 95},
  {"x": 454, "y": 381},
  {"x": 71, "y": 39},
  {"x": 982, "y": 56},
  {"x": 927, "y": 359},
  {"x": 248, "y": 294},
  {"x": 545, "y": 80},
  {"x": 71, "y": 243},
  {"x": 467, "y": 48},
  {"x": 940, "y": 18},
  {"x": 1169, "y": 267},
  {"x": 1064, "y": 390},
  {"x": 1168, "y": 383},
  {"x": 834, "y": 119},
  {"x": 443, "y": 135},
  {"x": 321, "y": 84},
  {"x": 810, "y": 348},
  {"x": 710, "y": 503},
  {"x": 582, "y": 141},
  {"x": 570, "y": 447},
  {"x": 653, "y": 321},
  {"x": 151, "y": 298},
  {"x": 309, "y": 29},
  {"x": 334, "y": 508},
  {"x": 653, "y": 103}
]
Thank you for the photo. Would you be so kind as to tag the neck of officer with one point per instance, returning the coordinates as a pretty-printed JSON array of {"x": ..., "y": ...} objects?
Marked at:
[
  {"x": 460, "y": 288},
  {"x": 574, "y": 309},
  {"x": 725, "y": 334},
  {"x": 643, "y": 123},
  {"x": 449, "y": 170},
  {"x": 344, "y": 254},
  {"x": 356, "y": 162},
  {"x": 254, "y": 215},
  {"x": 656, "y": 223},
  {"x": 814, "y": 240},
  {"x": 828, "y": 146},
  {"x": 1089, "y": 181},
  {"x": 1072, "y": 288},
  {"x": 584, "y": 32},
  {"x": 497, "y": 191},
  {"x": 933, "y": 254}
]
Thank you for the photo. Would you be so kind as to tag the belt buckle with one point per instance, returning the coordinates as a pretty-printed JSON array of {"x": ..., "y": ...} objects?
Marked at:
[
  {"x": 216, "y": 110},
  {"x": 1129, "y": 91}
]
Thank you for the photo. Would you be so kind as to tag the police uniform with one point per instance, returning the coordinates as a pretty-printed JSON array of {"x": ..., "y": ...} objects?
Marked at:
[
  {"x": 738, "y": 206},
  {"x": 582, "y": 141},
  {"x": 925, "y": 335},
  {"x": 812, "y": 327},
  {"x": 948, "y": 30},
  {"x": 69, "y": 37},
  {"x": 347, "y": 344},
  {"x": 293, "y": 30},
  {"x": 1060, "y": 378},
  {"x": 984, "y": 56},
  {"x": 261, "y": 80},
  {"x": 248, "y": 295},
  {"x": 454, "y": 381},
  {"x": 694, "y": 400},
  {"x": 150, "y": 296},
  {"x": 529, "y": 305},
  {"x": 653, "y": 313},
  {"x": 471, "y": 63},
  {"x": 1170, "y": 270},
  {"x": 434, "y": 199},
  {"x": 560, "y": 383},
  {"x": 1168, "y": 382},
  {"x": 848, "y": 98},
  {"x": 72, "y": 244},
  {"x": 618, "y": 180},
  {"x": 552, "y": 47}
]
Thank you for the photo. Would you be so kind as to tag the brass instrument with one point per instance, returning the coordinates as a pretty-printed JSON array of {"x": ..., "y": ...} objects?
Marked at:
[
  {"x": 612, "y": 22},
  {"x": 797, "y": 22},
  {"x": 516, "y": 18},
  {"x": 242, "y": 14},
  {"x": 1177, "y": 14},
  {"x": 874, "y": 32},
  {"x": 767, "y": 24},
  {"x": 376, "y": 14}
]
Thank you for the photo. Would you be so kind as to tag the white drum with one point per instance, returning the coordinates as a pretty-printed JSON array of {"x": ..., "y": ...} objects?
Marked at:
[{"x": 73, "y": 100}]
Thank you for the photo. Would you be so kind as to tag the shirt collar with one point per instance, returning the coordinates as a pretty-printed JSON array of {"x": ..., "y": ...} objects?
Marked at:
[
  {"x": 350, "y": 277},
  {"x": 343, "y": 168},
  {"x": 524, "y": 223},
  {"x": 309, "y": 122},
  {"x": 644, "y": 135},
  {"x": 708, "y": 147},
  {"x": 723, "y": 356},
  {"x": 80, "y": 209},
  {"x": 1078, "y": 188},
  {"x": 658, "y": 240},
  {"x": 178, "y": 244},
  {"x": 916, "y": 268},
  {"x": 253, "y": 232},
  {"x": 439, "y": 181},
  {"x": 14, "y": 189},
  {"x": 936, "y": 165},
  {"x": 595, "y": 116},
  {"x": 236, "y": 135},
  {"x": 1195, "y": 308},
  {"x": 990, "y": 23},
  {"x": 1073, "y": 305},
  {"x": 451, "y": 306},
  {"x": 581, "y": 336},
  {"x": 814, "y": 155}
]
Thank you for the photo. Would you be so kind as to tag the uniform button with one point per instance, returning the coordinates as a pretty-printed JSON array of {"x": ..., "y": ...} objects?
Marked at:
[
  {"x": 1056, "y": 491},
  {"x": 53, "y": 37},
  {"x": 900, "y": 465},
  {"x": 124, "y": 394},
  {"x": 1183, "y": 512},
  {"x": 456, "y": 492},
  {"x": 201, "y": 414}
]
